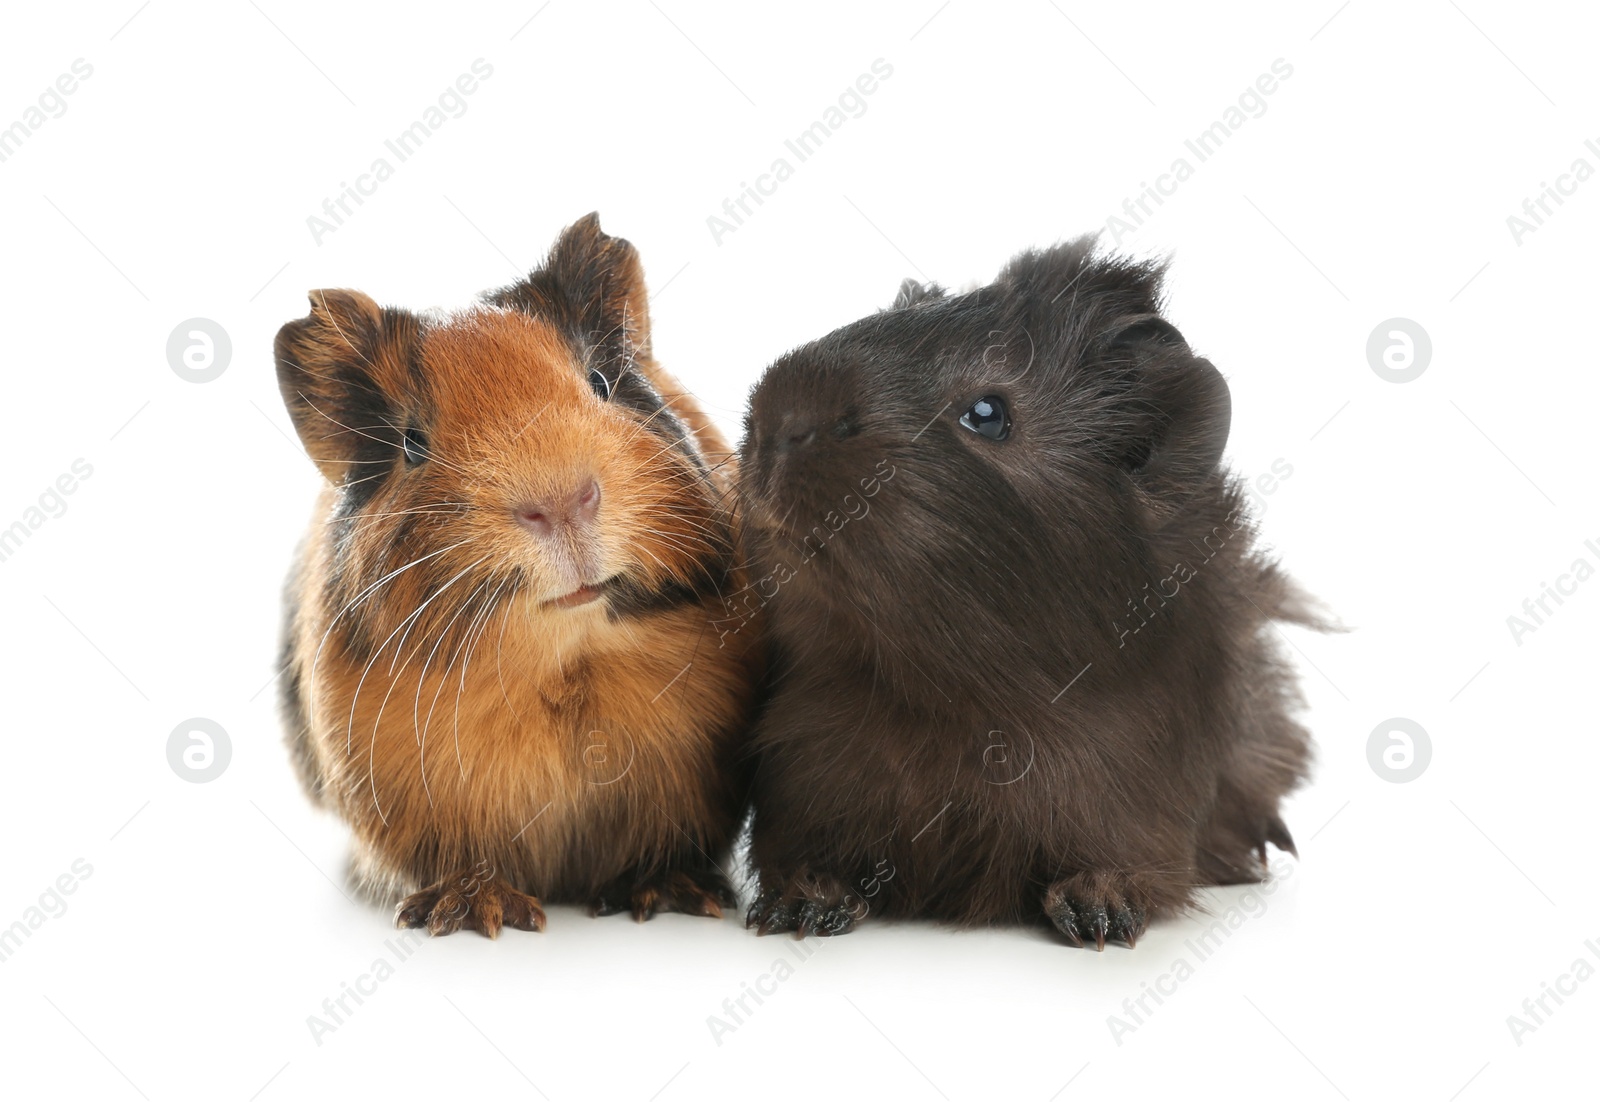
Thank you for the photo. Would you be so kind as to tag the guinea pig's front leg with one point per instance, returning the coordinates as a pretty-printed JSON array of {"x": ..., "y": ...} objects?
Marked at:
[
  {"x": 473, "y": 899},
  {"x": 804, "y": 903},
  {"x": 1101, "y": 905}
]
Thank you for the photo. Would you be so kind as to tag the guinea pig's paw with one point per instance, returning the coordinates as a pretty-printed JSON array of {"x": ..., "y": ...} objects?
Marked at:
[
  {"x": 470, "y": 901},
  {"x": 696, "y": 891},
  {"x": 817, "y": 905},
  {"x": 1096, "y": 906},
  {"x": 1234, "y": 850}
]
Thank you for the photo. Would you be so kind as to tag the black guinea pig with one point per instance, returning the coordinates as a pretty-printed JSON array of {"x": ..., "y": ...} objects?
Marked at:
[{"x": 1024, "y": 665}]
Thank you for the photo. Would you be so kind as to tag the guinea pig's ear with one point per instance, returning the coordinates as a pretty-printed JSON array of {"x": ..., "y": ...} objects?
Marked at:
[
  {"x": 339, "y": 368},
  {"x": 1182, "y": 410},
  {"x": 911, "y": 292},
  {"x": 591, "y": 285}
]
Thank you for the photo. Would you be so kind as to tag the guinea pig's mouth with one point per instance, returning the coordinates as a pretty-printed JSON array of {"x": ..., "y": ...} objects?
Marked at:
[{"x": 583, "y": 595}]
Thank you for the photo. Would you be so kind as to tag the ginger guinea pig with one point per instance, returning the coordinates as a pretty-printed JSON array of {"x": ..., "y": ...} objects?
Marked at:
[
  {"x": 1023, "y": 664},
  {"x": 502, "y": 660}
]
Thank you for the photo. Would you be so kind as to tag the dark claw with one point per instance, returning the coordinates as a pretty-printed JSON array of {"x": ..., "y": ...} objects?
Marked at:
[
  {"x": 805, "y": 906},
  {"x": 760, "y": 911},
  {"x": 694, "y": 891},
  {"x": 1066, "y": 921},
  {"x": 822, "y": 920},
  {"x": 780, "y": 918},
  {"x": 1127, "y": 924},
  {"x": 702, "y": 906},
  {"x": 1278, "y": 835},
  {"x": 609, "y": 902},
  {"x": 1100, "y": 924},
  {"x": 832, "y": 922},
  {"x": 1081, "y": 920},
  {"x": 810, "y": 913}
]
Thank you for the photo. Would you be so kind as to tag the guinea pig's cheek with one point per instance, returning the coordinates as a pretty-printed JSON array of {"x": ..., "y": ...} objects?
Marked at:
[
  {"x": 766, "y": 462},
  {"x": 772, "y": 517},
  {"x": 757, "y": 511}
]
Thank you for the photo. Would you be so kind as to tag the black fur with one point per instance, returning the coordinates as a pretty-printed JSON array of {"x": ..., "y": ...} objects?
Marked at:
[{"x": 1014, "y": 680}]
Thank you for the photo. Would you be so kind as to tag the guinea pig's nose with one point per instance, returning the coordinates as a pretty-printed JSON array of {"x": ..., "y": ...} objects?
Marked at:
[{"x": 576, "y": 507}]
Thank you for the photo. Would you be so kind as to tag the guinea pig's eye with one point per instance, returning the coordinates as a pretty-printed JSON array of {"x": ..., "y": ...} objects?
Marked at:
[
  {"x": 988, "y": 417},
  {"x": 601, "y": 385},
  {"x": 415, "y": 446}
]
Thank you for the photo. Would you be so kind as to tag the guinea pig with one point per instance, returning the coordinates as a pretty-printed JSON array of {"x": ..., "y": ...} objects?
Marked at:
[
  {"x": 501, "y": 652},
  {"x": 1022, "y": 640}
]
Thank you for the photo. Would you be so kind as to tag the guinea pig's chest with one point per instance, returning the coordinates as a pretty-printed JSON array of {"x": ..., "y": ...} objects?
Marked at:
[{"x": 520, "y": 740}]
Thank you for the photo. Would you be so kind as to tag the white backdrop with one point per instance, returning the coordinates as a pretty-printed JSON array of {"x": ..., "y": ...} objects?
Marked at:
[{"x": 178, "y": 935}]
